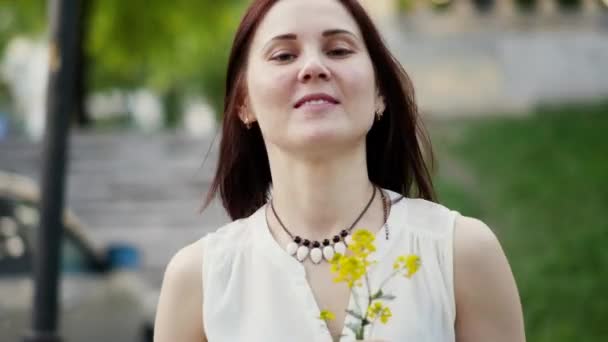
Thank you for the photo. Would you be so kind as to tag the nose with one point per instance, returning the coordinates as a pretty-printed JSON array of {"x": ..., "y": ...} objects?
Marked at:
[{"x": 314, "y": 69}]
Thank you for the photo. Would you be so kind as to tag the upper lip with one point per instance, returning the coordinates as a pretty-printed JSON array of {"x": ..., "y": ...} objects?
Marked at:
[{"x": 317, "y": 96}]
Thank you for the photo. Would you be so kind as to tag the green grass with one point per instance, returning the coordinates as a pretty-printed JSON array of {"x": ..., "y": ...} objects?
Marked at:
[{"x": 541, "y": 183}]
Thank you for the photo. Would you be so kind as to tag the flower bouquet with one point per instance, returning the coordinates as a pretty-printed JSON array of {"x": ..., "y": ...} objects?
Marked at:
[{"x": 353, "y": 270}]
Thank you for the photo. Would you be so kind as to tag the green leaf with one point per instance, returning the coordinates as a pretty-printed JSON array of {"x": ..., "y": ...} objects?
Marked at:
[
  {"x": 377, "y": 295},
  {"x": 387, "y": 297},
  {"x": 355, "y": 314},
  {"x": 354, "y": 327}
]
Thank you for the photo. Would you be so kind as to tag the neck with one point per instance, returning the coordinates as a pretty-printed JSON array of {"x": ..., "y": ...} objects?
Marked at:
[{"x": 317, "y": 199}]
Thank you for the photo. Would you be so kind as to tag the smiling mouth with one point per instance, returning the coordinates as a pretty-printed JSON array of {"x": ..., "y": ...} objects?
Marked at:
[
  {"x": 319, "y": 99},
  {"x": 316, "y": 103},
  {"x": 316, "y": 107}
]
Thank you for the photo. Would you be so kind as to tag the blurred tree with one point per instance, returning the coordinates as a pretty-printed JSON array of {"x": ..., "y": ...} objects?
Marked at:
[
  {"x": 526, "y": 5},
  {"x": 569, "y": 4},
  {"x": 484, "y": 6},
  {"x": 170, "y": 46},
  {"x": 173, "y": 47},
  {"x": 441, "y": 5},
  {"x": 81, "y": 115},
  {"x": 29, "y": 18},
  {"x": 406, "y": 6},
  {"x": 20, "y": 17}
]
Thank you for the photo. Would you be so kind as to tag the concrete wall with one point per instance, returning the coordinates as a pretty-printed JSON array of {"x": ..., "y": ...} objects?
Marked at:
[
  {"x": 463, "y": 62},
  {"x": 506, "y": 71}
]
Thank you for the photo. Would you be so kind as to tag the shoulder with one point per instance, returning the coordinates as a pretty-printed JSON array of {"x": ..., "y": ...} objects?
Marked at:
[
  {"x": 426, "y": 217},
  {"x": 477, "y": 252},
  {"x": 487, "y": 301},
  {"x": 469, "y": 234},
  {"x": 236, "y": 231},
  {"x": 184, "y": 268},
  {"x": 231, "y": 238},
  {"x": 474, "y": 239},
  {"x": 178, "y": 315},
  {"x": 180, "y": 305}
]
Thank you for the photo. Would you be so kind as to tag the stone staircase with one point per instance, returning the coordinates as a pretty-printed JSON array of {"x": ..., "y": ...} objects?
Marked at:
[{"x": 127, "y": 187}]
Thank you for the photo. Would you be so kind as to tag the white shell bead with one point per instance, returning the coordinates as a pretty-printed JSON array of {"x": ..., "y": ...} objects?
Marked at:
[
  {"x": 292, "y": 248},
  {"x": 348, "y": 239},
  {"x": 316, "y": 255},
  {"x": 328, "y": 253},
  {"x": 302, "y": 253},
  {"x": 339, "y": 247}
]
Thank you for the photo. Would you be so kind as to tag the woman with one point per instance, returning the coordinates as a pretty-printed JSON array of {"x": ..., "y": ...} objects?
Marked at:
[{"x": 321, "y": 134}]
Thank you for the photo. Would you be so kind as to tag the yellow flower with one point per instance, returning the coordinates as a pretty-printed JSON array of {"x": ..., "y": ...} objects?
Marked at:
[
  {"x": 410, "y": 263},
  {"x": 363, "y": 243},
  {"x": 386, "y": 314},
  {"x": 348, "y": 269},
  {"x": 379, "y": 310},
  {"x": 327, "y": 315},
  {"x": 374, "y": 309}
]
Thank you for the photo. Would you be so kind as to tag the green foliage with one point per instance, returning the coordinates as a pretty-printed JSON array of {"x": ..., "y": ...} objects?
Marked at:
[
  {"x": 20, "y": 17},
  {"x": 172, "y": 47},
  {"x": 526, "y": 5},
  {"x": 166, "y": 45},
  {"x": 406, "y": 6},
  {"x": 484, "y": 6},
  {"x": 542, "y": 185},
  {"x": 441, "y": 5},
  {"x": 569, "y": 4}
]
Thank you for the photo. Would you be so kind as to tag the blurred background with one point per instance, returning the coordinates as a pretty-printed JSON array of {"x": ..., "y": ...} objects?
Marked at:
[{"x": 513, "y": 92}]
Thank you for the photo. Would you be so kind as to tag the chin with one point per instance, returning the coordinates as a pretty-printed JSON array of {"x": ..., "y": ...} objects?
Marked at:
[
  {"x": 309, "y": 136},
  {"x": 322, "y": 143}
]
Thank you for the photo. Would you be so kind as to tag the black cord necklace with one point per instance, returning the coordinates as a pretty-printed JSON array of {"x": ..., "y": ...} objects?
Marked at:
[{"x": 302, "y": 248}]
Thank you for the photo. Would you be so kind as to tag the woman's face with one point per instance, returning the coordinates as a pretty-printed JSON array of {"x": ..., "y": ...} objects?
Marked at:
[{"x": 310, "y": 80}]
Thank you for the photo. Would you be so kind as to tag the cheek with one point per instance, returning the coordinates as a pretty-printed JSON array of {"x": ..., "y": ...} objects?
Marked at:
[
  {"x": 268, "y": 90},
  {"x": 357, "y": 74},
  {"x": 359, "y": 86}
]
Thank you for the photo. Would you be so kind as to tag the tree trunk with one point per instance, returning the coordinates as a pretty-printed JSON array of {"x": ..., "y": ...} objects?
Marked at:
[{"x": 81, "y": 115}]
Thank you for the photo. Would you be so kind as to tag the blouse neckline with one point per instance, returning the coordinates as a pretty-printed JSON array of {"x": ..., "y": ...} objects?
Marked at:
[{"x": 280, "y": 256}]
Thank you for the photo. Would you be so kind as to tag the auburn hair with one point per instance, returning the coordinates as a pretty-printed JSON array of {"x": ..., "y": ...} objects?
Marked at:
[{"x": 396, "y": 145}]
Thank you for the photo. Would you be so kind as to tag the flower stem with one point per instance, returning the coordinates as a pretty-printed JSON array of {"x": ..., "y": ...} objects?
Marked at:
[
  {"x": 354, "y": 294},
  {"x": 391, "y": 276},
  {"x": 361, "y": 333},
  {"x": 371, "y": 332}
]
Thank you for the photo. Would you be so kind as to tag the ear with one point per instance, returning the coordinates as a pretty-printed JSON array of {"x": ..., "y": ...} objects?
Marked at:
[
  {"x": 380, "y": 105},
  {"x": 245, "y": 114}
]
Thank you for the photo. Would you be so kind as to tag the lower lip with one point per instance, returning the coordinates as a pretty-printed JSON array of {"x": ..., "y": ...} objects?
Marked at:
[{"x": 310, "y": 107}]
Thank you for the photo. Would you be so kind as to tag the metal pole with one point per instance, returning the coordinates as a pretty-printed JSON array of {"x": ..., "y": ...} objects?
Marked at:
[{"x": 60, "y": 106}]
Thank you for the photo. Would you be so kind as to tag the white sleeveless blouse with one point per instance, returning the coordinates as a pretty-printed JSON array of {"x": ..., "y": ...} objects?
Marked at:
[{"x": 254, "y": 291}]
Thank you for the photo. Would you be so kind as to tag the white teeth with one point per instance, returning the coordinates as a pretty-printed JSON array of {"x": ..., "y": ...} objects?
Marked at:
[{"x": 315, "y": 102}]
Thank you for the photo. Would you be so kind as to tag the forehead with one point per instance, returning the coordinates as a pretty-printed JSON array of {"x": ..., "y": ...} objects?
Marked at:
[{"x": 304, "y": 17}]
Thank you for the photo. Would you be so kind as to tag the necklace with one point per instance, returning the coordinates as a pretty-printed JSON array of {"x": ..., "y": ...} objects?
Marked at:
[{"x": 302, "y": 248}]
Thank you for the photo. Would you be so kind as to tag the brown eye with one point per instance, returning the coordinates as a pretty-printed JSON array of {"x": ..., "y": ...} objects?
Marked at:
[
  {"x": 341, "y": 52},
  {"x": 283, "y": 57}
]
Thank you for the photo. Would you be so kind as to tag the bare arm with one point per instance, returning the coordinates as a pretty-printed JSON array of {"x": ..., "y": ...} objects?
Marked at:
[
  {"x": 488, "y": 307},
  {"x": 179, "y": 312}
]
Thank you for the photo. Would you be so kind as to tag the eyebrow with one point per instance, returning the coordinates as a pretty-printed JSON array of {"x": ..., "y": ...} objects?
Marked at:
[{"x": 327, "y": 33}]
